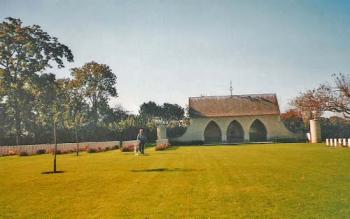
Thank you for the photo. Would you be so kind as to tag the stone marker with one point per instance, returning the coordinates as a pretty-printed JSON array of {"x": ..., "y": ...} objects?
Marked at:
[
  {"x": 327, "y": 141},
  {"x": 344, "y": 142},
  {"x": 331, "y": 142},
  {"x": 335, "y": 142}
]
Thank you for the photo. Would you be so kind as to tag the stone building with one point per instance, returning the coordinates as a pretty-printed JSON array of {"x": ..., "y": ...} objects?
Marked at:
[{"x": 235, "y": 119}]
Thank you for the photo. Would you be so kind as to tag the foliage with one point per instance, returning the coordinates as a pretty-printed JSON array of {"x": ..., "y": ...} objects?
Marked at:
[
  {"x": 162, "y": 147},
  {"x": 174, "y": 132},
  {"x": 23, "y": 154},
  {"x": 312, "y": 103},
  {"x": 332, "y": 98},
  {"x": 32, "y": 100},
  {"x": 340, "y": 96},
  {"x": 293, "y": 120},
  {"x": 128, "y": 148},
  {"x": 40, "y": 151},
  {"x": 97, "y": 82},
  {"x": 167, "y": 112},
  {"x": 92, "y": 150},
  {"x": 24, "y": 52},
  {"x": 177, "y": 143},
  {"x": 335, "y": 127}
]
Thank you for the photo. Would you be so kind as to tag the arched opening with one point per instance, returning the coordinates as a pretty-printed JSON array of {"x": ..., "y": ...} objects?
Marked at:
[
  {"x": 257, "y": 132},
  {"x": 212, "y": 133},
  {"x": 235, "y": 133}
]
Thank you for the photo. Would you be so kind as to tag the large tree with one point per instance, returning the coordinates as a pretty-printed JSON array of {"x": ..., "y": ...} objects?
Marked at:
[
  {"x": 332, "y": 97},
  {"x": 76, "y": 109},
  {"x": 312, "y": 103},
  {"x": 150, "y": 109},
  {"x": 24, "y": 52},
  {"x": 97, "y": 81},
  {"x": 167, "y": 112},
  {"x": 339, "y": 95},
  {"x": 172, "y": 112}
]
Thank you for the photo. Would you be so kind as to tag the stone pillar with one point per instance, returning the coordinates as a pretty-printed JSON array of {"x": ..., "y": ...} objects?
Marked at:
[
  {"x": 161, "y": 132},
  {"x": 315, "y": 131}
]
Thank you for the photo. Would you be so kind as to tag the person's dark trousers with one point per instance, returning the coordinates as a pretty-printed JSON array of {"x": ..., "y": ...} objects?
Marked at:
[{"x": 142, "y": 148}]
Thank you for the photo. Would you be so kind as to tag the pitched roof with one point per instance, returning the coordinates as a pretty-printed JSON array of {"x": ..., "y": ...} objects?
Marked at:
[{"x": 235, "y": 105}]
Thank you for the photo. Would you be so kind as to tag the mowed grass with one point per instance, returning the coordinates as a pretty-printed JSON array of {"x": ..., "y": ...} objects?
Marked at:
[{"x": 247, "y": 181}]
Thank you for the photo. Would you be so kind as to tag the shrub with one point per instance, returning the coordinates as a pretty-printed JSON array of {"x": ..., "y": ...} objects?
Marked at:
[
  {"x": 11, "y": 152},
  {"x": 64, "y": 152},
  {"x": 57, "y": 151},
  {"x": 174, "y": 132},
  {"x": 127, "y": 148},
  {"x": 106, "y": 149},
  {"x": 288, "y": 140},
  {"x": 52, "y": 151},
  {"x": 162, "y": 147},
  {"x": 177, "y": 143},
  {"x": 115, "y": 147},
  {"x": 23, "y": 153},
  {"x": 40, "y": 151},
  {"x": 92, "y": 150}
]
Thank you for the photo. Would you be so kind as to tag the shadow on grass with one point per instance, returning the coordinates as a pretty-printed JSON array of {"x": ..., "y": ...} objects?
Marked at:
[
  {"x": 133, "y": 153},
  {"x": 165, "y": 170},
  {"x": 51, "y": 172},
  {"x": 172, "y": 148}
]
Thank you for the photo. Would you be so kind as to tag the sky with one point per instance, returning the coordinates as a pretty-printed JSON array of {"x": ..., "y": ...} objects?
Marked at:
[{"x": 167, "y": 51}]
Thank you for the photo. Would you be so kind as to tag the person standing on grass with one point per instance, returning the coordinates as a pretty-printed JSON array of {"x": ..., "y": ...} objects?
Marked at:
[{"x": 142, "y": 139}]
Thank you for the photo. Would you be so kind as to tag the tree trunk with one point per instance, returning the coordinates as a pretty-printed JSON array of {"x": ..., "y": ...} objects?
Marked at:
[
  {"x": 17, "y": 121},
  {"x": 55, "y": 140},
  {"x": 77, "y": 139}
]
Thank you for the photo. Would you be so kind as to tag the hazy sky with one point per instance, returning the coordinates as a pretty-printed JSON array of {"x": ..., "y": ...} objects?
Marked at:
[{"x": 167, "y": 51}]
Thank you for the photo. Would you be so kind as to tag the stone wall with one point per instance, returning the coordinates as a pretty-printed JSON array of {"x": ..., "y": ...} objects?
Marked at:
[{"x": 32, "y": 149}]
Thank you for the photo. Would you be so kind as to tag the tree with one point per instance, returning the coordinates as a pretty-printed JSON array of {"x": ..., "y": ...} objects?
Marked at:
[
  {"x": 293, "y": 120},
  {"x": 172, "y": 112},
  {"x": 166, "y": 112},
  {"x": 313, "y": 103},
  {"x": 336, "y": 98},
  {"x": 339, "y": 97},
  {"x": 97, "y": 82},
  {"x": 76, "y": 109},
  {"x": 25, "y": 51},
  {"x": 149, "y": 110},
  {"x": 43, "y": 90}
]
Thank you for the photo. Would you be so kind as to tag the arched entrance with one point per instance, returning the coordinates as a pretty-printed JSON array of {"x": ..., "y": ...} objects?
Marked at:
[
  {"x": 235, "y": 133},
  {"x": 212, "y": 133},
  {"x": 257, "y": 132}
]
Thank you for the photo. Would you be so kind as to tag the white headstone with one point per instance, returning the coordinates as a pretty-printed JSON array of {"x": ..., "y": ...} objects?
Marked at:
[
  {"x": 344, "y": 142},
  {"x": 335, "y": 142},
  {"x": 331, "y": 142},
  {"x": 340, "y": 141},
  {"x": 327, "y": 141},
  {"x": 349, "y": 142}
]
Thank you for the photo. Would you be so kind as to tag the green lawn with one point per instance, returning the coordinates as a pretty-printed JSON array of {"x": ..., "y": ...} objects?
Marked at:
[{"x": 263, "y": 181}]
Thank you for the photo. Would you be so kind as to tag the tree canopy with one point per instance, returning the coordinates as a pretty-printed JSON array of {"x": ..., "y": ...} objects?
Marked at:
[{"x": 25, "y": 51}]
